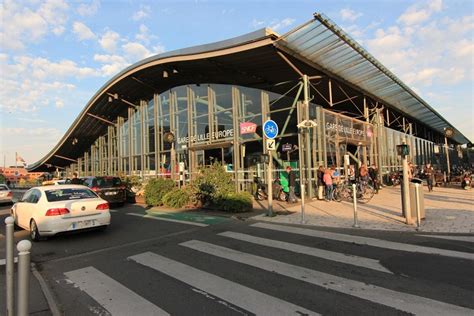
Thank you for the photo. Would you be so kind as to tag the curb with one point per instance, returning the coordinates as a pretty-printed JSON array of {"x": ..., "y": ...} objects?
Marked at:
[{"x": 53, "y": 307}]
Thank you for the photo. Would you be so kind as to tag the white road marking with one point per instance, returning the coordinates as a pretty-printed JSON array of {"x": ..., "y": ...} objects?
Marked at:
[
  {"x": 4, "y": 261},
  {"x": 113, "y": 211},
  {"x": 239, "y": 295},
  {"x": 168, "y": 219},
  {"x": 402, "y": 301},
  {"x": 366, "y": 241},
  {"x": 315, "y": 252},
  {"x": 460, "y": 238},
  {"x": 111, "y": 295}
]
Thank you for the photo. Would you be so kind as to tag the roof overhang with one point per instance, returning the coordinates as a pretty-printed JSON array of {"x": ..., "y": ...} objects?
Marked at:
[
  {"x": 251, "y": 60},
  {"x": 323, "y": 43}
]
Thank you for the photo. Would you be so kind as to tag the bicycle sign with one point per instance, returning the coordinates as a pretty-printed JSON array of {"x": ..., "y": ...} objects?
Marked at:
[{"x": 270, "y": 129}]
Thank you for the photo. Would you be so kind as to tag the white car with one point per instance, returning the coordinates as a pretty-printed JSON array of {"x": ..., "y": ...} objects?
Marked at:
[
  {"x": 48, "y": 210},
  {"x": 5, "y": 194}
]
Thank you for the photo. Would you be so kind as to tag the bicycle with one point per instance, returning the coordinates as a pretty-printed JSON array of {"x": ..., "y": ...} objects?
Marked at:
[{"x": 364, "y": 192}]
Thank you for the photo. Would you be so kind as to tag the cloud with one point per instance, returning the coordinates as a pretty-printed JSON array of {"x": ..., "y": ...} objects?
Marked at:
[
  {"x": 23, "y": 24},
  {"x": 41, "y": 131},
  {"x": 82, "y": 31},
  {"x": 29, "y": 83},
  {"x": 257, "y": 23},
  {"x": 349, "y": 15},
  {"x": 109, "y": 41},
  {"x": 135, "y": 51},
  {"x": 276, "y": 25},
  {"x": 419, "y": 13},
  {"x": 112, "y": 64},
  {"x": 144, "y": 35},
  {"x": 142, "y": 13},
  {"x": 88, "y": 9},
  {"x": 59, "y": 103}
]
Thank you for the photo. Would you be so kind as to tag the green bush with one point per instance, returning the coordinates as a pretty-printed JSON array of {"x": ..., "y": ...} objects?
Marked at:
[
  {"x": 234, "y": 202},
  {"x": 156, "y": 189},
  {"x": 177, "y": 198},
  {"x": 212, "y": 183}
]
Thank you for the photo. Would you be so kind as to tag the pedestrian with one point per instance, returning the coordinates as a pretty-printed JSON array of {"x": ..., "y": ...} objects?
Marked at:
[
  {"x": 75, "y": 179},
  {"x": 336, "y": 176},
  {"x": 291, "y": 185},
  {"x": 374, "y": 174},
  {"x": 327, "y": 178},
  {"x": 321, "y": 185},
  {"x": 351, "y": 174},
  {"x": 429, "y": 173}
]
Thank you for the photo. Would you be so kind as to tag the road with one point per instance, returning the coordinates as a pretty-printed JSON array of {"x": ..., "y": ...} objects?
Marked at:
[{"x": 155, "y": 265}]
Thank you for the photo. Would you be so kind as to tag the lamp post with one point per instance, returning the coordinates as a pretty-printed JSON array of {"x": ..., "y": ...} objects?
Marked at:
[
  {"x": 448, "y": 133},
  {"x": 304, "y": 126}
]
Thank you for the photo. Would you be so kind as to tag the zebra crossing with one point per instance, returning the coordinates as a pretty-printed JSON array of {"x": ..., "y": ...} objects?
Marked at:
[{"x": 241, "y": 296}]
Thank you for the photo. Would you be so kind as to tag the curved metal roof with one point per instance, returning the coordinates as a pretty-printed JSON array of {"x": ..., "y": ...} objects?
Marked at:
[
  {"x": 322, "y": 42},
  {"x": 249, "y": 60}
]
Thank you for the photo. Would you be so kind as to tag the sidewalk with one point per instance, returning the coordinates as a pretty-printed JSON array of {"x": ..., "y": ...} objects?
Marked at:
[{"x": 448, "y": 210}]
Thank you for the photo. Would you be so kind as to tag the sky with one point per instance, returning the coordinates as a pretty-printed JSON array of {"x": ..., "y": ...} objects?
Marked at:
[{"x": 55, "y": 54}]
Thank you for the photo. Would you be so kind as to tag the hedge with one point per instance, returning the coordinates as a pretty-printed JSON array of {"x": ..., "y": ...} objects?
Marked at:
[{"x": 155, "y": 190}]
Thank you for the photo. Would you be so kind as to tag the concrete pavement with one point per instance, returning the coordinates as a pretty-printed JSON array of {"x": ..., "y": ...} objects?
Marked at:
[{"x": 448, "y": 210}]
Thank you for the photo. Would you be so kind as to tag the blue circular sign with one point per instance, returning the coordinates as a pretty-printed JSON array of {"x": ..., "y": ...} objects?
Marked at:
[{"x": 270, "y": 129}]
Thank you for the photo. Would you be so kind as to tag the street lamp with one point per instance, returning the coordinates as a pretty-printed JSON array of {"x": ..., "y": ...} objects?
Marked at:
[{"x": 448, "y": 133}]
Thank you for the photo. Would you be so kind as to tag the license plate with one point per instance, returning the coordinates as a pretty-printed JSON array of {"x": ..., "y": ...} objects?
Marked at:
[
  {"x": 83, "y": 224},
  {"x": 110, "y": 193}
]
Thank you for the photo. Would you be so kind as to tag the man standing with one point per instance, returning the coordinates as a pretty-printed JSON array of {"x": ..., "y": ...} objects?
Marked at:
[{"x": 291, "y": 185}]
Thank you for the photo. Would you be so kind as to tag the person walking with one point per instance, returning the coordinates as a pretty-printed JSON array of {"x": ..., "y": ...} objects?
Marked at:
[
  {"x": 321, "y": 186},
  {"x": 373, "y": 174},
  {"x": 327, "y": 178},
  {"x": 291, "y": 185},
  {"x": 429, "y": 173},
  {"x": 75, "y": 179}
]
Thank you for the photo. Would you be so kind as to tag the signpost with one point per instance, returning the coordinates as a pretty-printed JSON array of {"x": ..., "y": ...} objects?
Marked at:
[
  {"x": 288, "y": 148},
  {"x": 270, "y": 130}
]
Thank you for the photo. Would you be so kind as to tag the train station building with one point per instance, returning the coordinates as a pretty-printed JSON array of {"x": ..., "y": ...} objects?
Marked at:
[{"x": 170, "y": 114}]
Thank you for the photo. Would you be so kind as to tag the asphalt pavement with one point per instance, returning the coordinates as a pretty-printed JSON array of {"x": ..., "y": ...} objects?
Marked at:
[{"x": 150, "y": 263}]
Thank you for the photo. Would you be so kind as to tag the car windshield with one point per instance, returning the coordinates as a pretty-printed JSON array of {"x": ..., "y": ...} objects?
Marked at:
[
  {"x": 108, "y": 182},
  {"x": 69, "y": 194}
]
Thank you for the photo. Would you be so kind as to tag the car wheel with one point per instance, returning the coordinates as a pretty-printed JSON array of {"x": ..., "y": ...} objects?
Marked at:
[{"x": 34, "y": 233}]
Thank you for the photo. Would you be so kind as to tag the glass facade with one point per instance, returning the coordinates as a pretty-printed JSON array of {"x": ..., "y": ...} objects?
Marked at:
[{"x": 223, "y": 123}]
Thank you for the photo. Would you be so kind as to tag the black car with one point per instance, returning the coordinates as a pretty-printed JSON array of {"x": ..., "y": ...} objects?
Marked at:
[{"x": 110, "y": 189}]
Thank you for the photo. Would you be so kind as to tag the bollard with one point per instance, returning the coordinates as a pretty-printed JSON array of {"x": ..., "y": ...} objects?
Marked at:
[
  {"x": 10, "y": 222},
  {"x": 417, "y": 205},
  {"x": 23, "y": 248},
  {"x": 354, "y": 198},
  {"x": 302, "y": 204}
]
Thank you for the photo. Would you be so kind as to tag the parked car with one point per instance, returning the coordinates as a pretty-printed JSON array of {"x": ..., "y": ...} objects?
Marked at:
[
  {"x": 110, "y": 189},
  {"x": 56, "y": 182},
  {"x": 48, "y": 210},
  {"x": 6, "y": 195}
]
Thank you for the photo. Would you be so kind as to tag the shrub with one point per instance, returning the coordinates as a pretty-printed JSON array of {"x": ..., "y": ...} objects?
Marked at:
[
  {"x": 234, "y": 202},
  {"x": 177, "y": 198},
  {"x": 212, "y": 183},
  {"x": 156, "y": 189}
]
